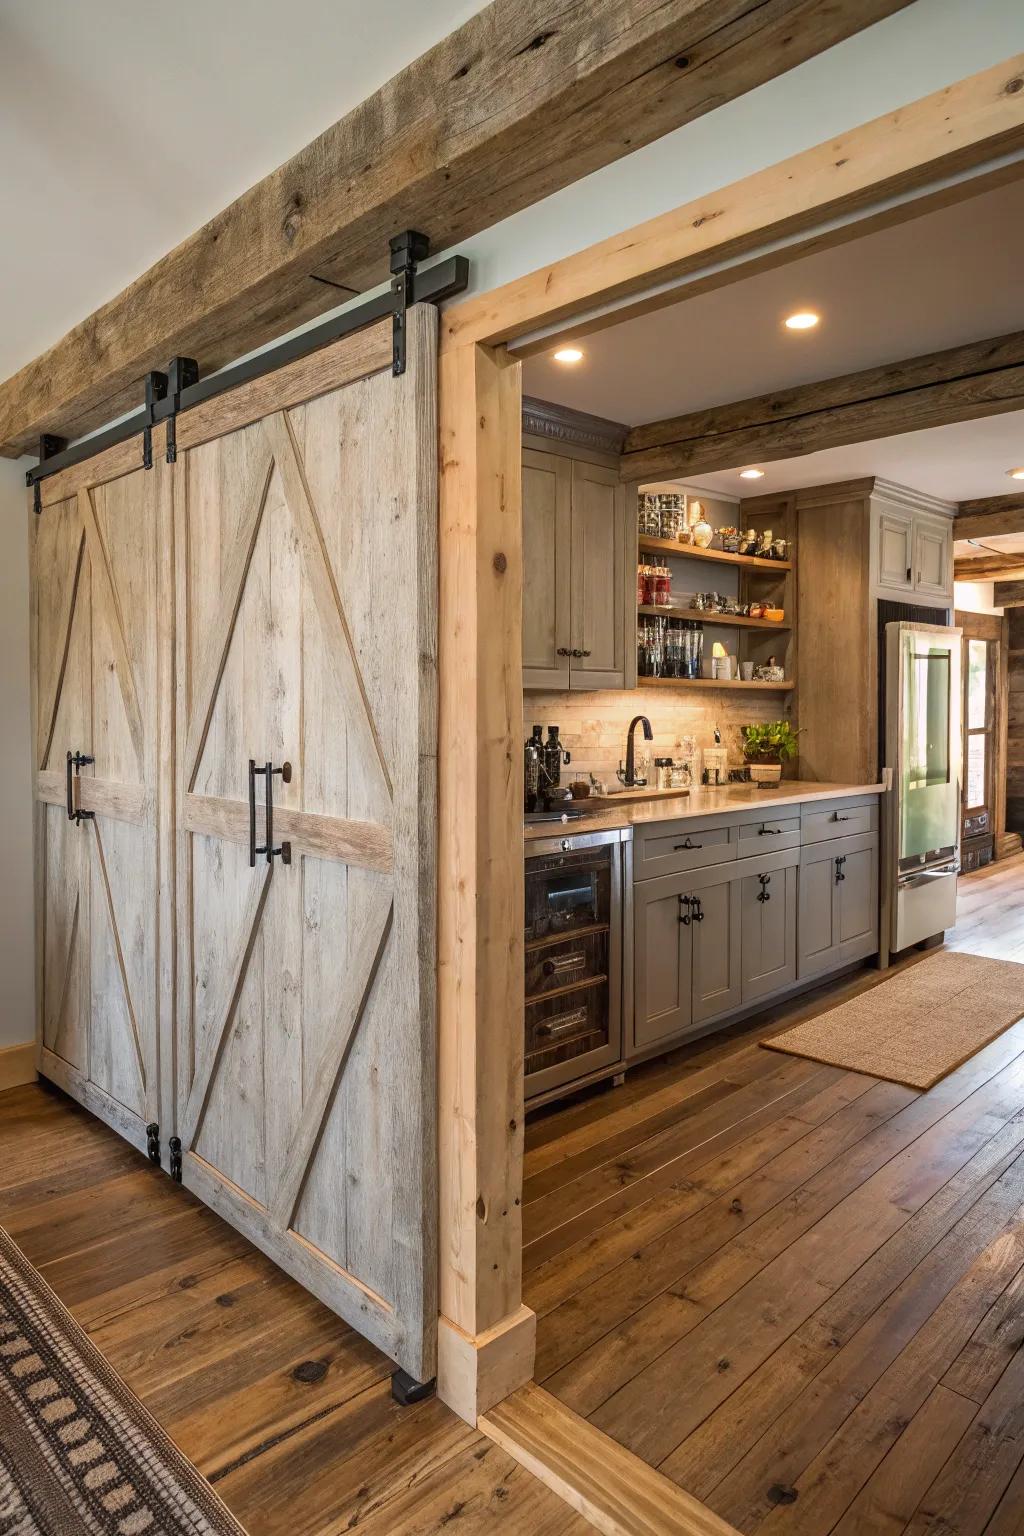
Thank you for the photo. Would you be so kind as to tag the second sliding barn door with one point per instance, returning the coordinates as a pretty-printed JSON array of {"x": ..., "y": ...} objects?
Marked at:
[{"x": 306, "y": 570}]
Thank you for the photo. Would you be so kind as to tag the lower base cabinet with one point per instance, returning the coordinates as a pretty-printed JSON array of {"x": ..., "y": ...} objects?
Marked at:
[
  {"x": 711, "y": 942},
  {"x": 838, "y": 918}
]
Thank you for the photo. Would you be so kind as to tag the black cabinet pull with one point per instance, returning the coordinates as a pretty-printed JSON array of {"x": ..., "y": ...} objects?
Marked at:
[
  {"x": 839, "y": 868},
  {"x": 698, "y": 910},
  {"x": 284, "y": 851},
  {"x": 684, "y": 917},
  {"x": 764, "y": 894},
  {"x": 563, "y": 650},
  {"x": 681, "y": 847},
  {"x": 76, "y": 761},
  {"x": 836, "y": 817},
  {"x": 770, "y": 832}
]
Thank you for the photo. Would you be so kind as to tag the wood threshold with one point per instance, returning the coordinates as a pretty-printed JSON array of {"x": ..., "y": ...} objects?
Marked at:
[{"x": 613, "y": 1489}]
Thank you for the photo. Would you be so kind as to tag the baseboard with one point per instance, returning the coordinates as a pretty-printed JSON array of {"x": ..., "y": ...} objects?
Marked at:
[
  {"x": 474, "y": 1373},
  {"x": 17, "y": 1065},
  {"x": 606, "y": 1484}
]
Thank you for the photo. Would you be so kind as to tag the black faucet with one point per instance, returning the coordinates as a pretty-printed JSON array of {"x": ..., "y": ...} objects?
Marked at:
[{"x": 630, "y": 776}]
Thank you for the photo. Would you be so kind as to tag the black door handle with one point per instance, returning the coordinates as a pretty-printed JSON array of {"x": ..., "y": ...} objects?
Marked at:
[
  {"x": 681, "y": 847},
  {"x": 764, "y": 894},
  {"x": 284, "y": 851},
  {"x": 698, "y": 910},
  {"x": 839, "y": 868},
  {"x": 684, "y": 917},
  {"x": 76, "y": 761}
]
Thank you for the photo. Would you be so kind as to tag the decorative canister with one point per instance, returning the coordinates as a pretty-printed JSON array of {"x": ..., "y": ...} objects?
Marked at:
[{"x": 703, "y": 533}]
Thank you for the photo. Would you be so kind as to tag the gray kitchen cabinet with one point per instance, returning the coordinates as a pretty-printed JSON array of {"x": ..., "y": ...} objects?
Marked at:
[
  {"x": 574, "y": 573},
  {"x": 768, "y": 923},
  {"x": 662, "y": 961},
  {"x": 715, "y": 941},
  {"x": 547, "y": 510},
  {"x": 838, "y": 904}
]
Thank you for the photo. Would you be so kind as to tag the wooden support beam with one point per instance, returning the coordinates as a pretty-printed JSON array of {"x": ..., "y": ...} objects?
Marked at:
[
  {"x": 813, "y": 201},
  {"x": 988, "y": 515},
  {"x": 983, "y": 378},
  {"x": 524, "y": 98},
  {"x": 486, "y": 1336},
  {"x": 1008, "y": 594},
  {"x": 984, "y": 569}
]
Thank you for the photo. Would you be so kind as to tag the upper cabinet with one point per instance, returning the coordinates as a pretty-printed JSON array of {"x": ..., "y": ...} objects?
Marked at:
[
  {"x": 912, "y": 540},
  {"x": 574, "y": 573}
]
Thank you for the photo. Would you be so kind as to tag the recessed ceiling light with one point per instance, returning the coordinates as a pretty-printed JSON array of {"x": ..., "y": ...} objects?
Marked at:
[
  {"x": 803, "y": 320},
  {"x": 1016, "y": 474},
  {"x": 751, "y": 474},
  {"x": 569, "y": 355}
]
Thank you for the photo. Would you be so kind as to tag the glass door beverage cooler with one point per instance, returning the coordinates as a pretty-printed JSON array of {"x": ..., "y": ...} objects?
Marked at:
[
  {"x": 923, "y": 743},
  {"x": 573, "y": 1014}
]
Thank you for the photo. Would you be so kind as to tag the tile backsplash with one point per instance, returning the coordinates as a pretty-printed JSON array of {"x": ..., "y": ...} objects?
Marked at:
[{"x": 593, "y": 725}]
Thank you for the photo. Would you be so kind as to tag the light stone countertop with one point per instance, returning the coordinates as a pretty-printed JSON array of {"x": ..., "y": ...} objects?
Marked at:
[{"x": 699, "y": 802}]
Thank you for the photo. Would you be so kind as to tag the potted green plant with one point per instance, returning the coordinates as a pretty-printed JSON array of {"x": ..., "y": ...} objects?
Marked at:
[{"x": 766, "y": 747}]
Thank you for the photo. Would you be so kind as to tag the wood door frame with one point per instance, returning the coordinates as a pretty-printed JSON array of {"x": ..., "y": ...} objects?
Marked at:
[
  {"x": 933, "y": 153},
  {"x": 995, "y": 628}
]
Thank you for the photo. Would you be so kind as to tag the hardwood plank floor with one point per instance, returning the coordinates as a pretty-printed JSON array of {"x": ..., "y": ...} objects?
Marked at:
[
  {"x": 280, "y": 1404},
  {"x": 798, "y": 1291}
]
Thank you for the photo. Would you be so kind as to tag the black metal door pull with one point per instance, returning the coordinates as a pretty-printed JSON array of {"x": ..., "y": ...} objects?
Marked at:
[
  {"x": 764, "y": 894},
  {"x": 284, "y": 850},
  {"x": 684, "y": 917},
  {"x": 76, "y": 761},
  {"x": 839, "y": 868},
  {"x": 697, "y": 909},
  {"x": 686, "y": 847}
]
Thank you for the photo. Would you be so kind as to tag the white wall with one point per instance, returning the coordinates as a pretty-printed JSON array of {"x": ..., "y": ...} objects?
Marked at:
[
  {"x": 975, "y": 597},
  {"x": 17, "y": 979}
]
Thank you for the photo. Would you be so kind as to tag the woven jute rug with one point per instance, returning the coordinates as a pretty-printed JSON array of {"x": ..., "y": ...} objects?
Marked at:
[
  {"x": 79, "y": 1455},
  {"x": 920, "y": 1024}
]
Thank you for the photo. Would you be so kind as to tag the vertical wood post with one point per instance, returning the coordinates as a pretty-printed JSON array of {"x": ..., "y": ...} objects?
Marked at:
[{"x": 486, "y": 1337}]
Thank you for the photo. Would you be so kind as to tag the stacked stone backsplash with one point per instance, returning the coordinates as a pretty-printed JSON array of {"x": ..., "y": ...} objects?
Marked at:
[{"x": 593, "y": 725}]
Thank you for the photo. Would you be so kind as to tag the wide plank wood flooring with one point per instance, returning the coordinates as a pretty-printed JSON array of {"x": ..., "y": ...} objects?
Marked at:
[
  {"x": 284, "y": 1408},
  {"x": 796, "y": 1290}
]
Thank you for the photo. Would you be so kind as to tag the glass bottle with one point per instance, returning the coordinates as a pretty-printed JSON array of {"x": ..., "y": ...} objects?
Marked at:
[{"x": 553, "y": 757}]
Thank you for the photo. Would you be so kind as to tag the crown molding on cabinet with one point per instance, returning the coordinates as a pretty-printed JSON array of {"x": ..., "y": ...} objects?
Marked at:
[{"x": 578, "y": 429}]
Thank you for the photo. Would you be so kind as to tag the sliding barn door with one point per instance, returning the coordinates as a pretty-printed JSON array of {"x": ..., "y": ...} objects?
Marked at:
[
  {"x": 101, "y": 571},
  {"x": 306, "y": 576}
]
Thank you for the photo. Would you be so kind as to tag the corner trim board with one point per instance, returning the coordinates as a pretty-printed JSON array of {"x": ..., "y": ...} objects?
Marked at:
[{"x": 17, "y": 1065}]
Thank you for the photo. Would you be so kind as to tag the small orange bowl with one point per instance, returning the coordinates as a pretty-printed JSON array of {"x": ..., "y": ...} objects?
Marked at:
[{"x": 775, "y": 614}]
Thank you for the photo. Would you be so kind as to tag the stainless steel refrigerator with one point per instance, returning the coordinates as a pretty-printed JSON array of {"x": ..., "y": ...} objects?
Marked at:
[{"x": 923, "y": 749}]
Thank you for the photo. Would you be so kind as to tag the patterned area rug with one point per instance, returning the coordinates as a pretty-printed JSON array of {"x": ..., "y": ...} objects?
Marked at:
[{"x": 79, "y": 1455}]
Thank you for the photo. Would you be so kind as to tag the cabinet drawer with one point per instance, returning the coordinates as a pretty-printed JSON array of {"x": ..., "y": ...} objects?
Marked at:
[
  {"x": 768, "y": 834},
  {"x": 660, "y": 852},
  {"x": 553, "y": 966},
  {"x": 839, "y": 818}
]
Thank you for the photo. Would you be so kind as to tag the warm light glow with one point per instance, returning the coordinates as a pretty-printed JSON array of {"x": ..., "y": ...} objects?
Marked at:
[
  {"x": 751, "y": 474},
  {"x": 568, "y": 355},
  {"x": 803, "y": 320},
  {"x": 1016, "y": 474}
]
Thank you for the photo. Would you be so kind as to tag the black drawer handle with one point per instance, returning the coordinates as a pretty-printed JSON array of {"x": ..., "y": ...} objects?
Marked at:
[
  {"x": 769, "y": 832},
  {"x": 764, "y": 894},
  {"x": 684, "y": 916},
  {"x": 836, "y": 817},
  {"x": 686, "y": 847}
]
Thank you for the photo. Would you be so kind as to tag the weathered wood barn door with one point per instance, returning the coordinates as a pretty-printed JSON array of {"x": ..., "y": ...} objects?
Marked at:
[
  {"x": 101, "y": 580},
  {"x": 305, "y": 523}
]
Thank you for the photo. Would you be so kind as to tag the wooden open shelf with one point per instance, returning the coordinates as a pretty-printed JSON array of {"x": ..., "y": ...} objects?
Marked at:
[
  {"x": 691, "y": 552},
  {"x": 707, "y": 682},
  {"x": 725, "y": 620}
]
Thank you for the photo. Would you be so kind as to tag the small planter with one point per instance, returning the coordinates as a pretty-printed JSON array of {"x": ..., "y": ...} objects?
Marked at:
[{"x": 762, "y": 772}]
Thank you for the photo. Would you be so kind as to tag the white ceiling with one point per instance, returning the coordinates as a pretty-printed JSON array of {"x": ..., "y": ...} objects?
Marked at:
[
  {"x": 960, "y": 462},
  {"x": 125, "y": 126},
  {"x": 950, "y": 277}
]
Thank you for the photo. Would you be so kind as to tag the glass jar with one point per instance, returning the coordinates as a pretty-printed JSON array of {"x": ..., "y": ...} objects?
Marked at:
[{"x": 662, "y": 584}]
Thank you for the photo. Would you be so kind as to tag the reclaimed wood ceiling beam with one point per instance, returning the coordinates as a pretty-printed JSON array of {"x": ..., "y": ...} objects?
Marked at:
[
  {"x": 984, "y": 378},
  {"x": 1008, "y": 594},
  {"x": 988, "y": 568},
  {"x": 987, "y": 515},
  {"x": 524, "y": 98}
]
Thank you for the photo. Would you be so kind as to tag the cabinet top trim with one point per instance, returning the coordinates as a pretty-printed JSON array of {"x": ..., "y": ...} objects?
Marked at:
[{"x": 559, "y": 423}]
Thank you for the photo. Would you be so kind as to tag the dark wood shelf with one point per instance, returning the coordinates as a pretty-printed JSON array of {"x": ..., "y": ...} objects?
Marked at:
[
  {"x": 702, "y": 616},
  {"x": 691, "y": 552}
]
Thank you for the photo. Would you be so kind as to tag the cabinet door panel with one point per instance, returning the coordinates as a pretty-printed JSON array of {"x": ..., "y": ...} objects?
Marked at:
[
  {"x": 858, "y": 898},
  {"x": 598, "y": 576},
  {"x": 931, "y": 558},
  {"x": 895, "y": 551},
  {"x": 662, "y": 962},
  {"x": 717, "y": 986},
  {"x": 817, "y": 937},
  {"x": 547, "y": 497},
  {"x": 768, "y": 933}
]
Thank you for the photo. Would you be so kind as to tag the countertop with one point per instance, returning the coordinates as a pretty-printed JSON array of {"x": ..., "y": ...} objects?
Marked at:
[{"x": 698, "y": 803}]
